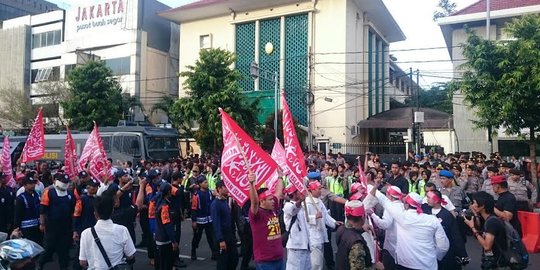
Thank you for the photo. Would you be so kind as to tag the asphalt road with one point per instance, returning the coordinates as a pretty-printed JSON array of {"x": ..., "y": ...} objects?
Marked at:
[{"x": 204, "y": 261}]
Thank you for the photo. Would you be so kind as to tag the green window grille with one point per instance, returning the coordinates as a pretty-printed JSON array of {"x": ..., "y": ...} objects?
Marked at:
[
  {"x": 245, "y": 53},
  {"x": 383, "y": 79},
  {"x": 269, "y": 31},
  {"x": 296, "y": 65},
  {"x": 377, "y": 82},
  {"x": 370, "y": 74}
]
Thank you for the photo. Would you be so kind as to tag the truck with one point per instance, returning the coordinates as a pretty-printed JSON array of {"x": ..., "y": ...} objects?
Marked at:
[{"x": 125, "y": 143}]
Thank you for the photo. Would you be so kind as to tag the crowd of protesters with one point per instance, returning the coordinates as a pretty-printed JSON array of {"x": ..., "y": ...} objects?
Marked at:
[{"x": 417, "y": 212}]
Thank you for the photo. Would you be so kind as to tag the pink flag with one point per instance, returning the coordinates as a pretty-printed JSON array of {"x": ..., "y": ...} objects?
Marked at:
[
  {"x": 363, "y": 178},
  {"x": 34, "y": 148},
  {"x": 6, "y": 163},
  {"x": 293, "y": 152},
  {"x": 241, "y": 154},
  {"x": 278, "y": 154},
  {"x": 94, "y": 154},
  {"x": 70, "y": 156}
]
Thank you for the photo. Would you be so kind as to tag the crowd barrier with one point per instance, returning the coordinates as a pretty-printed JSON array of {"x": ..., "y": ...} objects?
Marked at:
[{"x": 530, "y": 226}]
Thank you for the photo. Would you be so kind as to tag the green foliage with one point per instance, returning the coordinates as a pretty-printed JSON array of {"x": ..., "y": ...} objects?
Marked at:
[
  {"x": 268, "y": 133},
  {"x": 94, "y": 95},
  {"x": 213, "y": 84},
  {"x": 439, "y": 97},
  {"x": 501, "y": 80},
  {"x": 446, "y": 8}
]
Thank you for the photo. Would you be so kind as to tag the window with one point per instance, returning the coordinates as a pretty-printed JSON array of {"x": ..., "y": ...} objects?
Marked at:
[
  {"x": 117, "y": 143},
  {"x": 106, "y": 143},
  {"x": 391, "y": 76},
  {"x": 46, "y": 39},
  {"x": 119, "y": 66},
  {"x": 46, "y": 74},
  {"x": 130, "y": 145},
  {"x": 68, "y": 69},
  {"x": 205, "y": 41}
]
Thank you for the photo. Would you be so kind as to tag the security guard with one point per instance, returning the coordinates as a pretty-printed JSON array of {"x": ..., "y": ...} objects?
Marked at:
[
  {"x": 149, "y": 215},
  {"x": 176, "y": 209},
  {"x": 80, "y": 187},
  {"x": 524, "y": 191},
  {"x": 165, "y": 229},
  {"x": 84, "y": 217},
  {"x": 27, "y": 209},
  {"x": 7, "y": 200},
  {"x": 57, "y": 207}
]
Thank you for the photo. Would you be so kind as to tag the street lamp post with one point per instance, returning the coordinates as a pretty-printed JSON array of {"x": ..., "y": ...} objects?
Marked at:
[{"x": 255, "y": 72}]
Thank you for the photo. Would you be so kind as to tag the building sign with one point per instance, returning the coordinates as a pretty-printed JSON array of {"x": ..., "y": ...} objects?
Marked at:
[{"x": 92, "y": 16}]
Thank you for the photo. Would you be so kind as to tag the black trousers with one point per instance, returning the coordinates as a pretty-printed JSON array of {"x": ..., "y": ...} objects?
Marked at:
[
  {"x": 34, "y": 234},
  {"x": 165, "y": 257},
  {"x": 388, "y": 261},
  {"x": 247, "y": 247},
  {"x": 58, "y": 239},
  {"x": 228, "y": 259},
  {"x": 197, "y": 236},
  {"x": 337, "y": 211},
  {"x": 328, "y": 251},
  {"x": 145, "y": 226}
]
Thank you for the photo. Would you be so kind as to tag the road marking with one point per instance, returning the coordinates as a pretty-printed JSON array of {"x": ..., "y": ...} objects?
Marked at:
[{"x": 181, "y": 256}]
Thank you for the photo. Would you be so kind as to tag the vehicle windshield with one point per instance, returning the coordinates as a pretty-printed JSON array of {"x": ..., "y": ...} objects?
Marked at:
[{"x": 162, "y": 147}]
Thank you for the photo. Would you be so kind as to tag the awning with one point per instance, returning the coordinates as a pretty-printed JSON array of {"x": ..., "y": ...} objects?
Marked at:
[{"x": 402, "y": 118}]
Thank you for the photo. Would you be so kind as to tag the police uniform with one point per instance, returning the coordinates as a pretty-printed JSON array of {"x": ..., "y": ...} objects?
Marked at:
[
  {"x": 165, "y": 230},
  {"x": 200, "y": 214},
  {"x": 57, "y": 206},
  {"x": 7, "y": 200},
  {"x": 83, "y": 216},
  {"x": 26, "y": 214},
  {"x": 521, "y": 190},
  {"x": 456, "y": 196}
]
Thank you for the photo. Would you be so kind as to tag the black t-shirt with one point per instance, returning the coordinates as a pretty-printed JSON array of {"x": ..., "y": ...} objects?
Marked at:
[
  {"x": 495, "y": 226},
  {"x": 507, "y": 202},
  {"x": 399, "y": 182}
]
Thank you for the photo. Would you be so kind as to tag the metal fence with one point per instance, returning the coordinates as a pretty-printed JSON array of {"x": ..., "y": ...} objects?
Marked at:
[{"x": 393, "y": 148}]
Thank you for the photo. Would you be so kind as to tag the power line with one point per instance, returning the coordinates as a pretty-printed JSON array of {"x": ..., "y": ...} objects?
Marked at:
[{"x": 395, "y": 50}]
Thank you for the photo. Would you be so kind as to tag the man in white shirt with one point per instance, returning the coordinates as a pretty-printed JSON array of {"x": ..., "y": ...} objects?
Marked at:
[
  {"x": 418, "y": 234},
  {"x": 298, "y": 255},
  {"x": 387, "y": 223},
  {"x": 114, "y": 238},
  {"x": 318, "y": 219}
]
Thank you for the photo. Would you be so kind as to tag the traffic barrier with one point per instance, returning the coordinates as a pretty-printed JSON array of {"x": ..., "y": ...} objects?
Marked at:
[{"x": 530, "y": 226}]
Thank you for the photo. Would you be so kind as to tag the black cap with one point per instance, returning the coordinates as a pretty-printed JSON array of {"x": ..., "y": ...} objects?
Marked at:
[
  {"x": 492, "y": 169},
  {"x": 120, "y": 173},
  {"x": 153, "y": 173},
  {"x": 220, "y": 184},
  {"x": 508, "y": 165},
  {"x": 83, "y": 174},
  {"x": 165, "y": 188},
  {"x": 29, "y": 180},
  {"x": 93, "y": 183},
  {"x": 61, "y": 177},
  {"x": 515, "y": 172},
  {"x": 201, "y": 179}
]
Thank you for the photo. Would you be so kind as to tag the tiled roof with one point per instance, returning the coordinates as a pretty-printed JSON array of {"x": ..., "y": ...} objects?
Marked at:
[{"x": 480, "y": 6}]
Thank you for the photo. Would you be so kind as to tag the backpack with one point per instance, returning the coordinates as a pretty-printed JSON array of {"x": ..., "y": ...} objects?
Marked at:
[{"x": 516, "y": 254}]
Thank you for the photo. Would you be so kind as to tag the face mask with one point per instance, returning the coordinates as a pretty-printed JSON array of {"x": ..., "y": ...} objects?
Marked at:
[{"x": 61, "y": 186}]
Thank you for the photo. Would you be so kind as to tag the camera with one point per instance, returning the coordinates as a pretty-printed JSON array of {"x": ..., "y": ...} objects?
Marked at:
[{"x": 467, "y": 213}]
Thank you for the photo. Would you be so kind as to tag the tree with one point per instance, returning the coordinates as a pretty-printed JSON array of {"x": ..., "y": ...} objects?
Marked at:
[
  {"x": 52, "y": 94},
  {"x": 17, "y": 108},
  {"x": 445, "y": 8},
  {"x": 439, "y": 97},
  {"x": 94, "y": 95},
  {"x": 501, "y": 81},
  {"x": 166, "y": 104},
  {"x": 129, "y": 103},
  {"x": 211, "y": 84},
  {"x": 268, "y": 132}
]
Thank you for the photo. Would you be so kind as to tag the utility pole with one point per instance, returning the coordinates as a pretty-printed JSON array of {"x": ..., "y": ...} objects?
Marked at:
[
  {"x": 488, "y": 19},
  {"x": 418, "y": 109},
  {"x": 413, "y": 120}
]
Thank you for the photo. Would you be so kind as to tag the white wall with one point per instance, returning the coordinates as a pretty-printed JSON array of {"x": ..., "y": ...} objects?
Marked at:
[{"x": 444, "y": 138}]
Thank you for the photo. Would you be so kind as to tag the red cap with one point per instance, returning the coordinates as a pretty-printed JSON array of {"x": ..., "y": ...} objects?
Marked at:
[
  {"x": 314, "y": 185},
  {"x": 497, "y": 179}
]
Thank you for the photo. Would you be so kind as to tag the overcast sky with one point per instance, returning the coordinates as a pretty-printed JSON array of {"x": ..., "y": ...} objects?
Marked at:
[{"x": 415, "y": 19}]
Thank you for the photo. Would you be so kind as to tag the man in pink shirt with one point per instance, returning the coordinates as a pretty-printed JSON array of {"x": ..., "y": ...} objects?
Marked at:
[{"x": 265, "y": 228}]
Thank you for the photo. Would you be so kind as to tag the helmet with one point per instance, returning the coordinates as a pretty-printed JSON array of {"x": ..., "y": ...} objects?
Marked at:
[{"x": 19, "y": 249}]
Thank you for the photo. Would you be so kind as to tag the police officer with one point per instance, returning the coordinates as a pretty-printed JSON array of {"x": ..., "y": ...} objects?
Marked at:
[
  {"x": 454, "y": 192},
  {"x": 57, "y": 207},
  {"x": 80, "y": 188},
  {"x": 84, "y": 217},
  {"x": 201, "y": 220},
  {"x": 7, "y": 195},
  {"x": 148, "y": 213},
  {"x": 524, "y": 191},
  {"x": 27, "y": 207},
  {"x": 176, "y": 209},
  {"x": 165, "y": 229}
]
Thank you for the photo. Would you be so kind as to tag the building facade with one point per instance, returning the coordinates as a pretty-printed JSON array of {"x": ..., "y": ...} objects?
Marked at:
[
  {"x": 469, "y": 138},
  {"x": 331, "y": 56},
  {"x": 140, "y": 48},
  {"x": 10, "y": 9}
]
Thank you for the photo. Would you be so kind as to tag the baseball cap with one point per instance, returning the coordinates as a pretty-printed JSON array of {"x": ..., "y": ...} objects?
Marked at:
[
  {"x": 497, "y": 179},
  {"x": 120, "y": 173},
  {"x": 93, "y": 182},
  {"x": 62, "y": 177},
  {"x": 29, "y": 180},
  {"x": 515, "y": 172},
  {"x": 154, "y": 173},
  {"x": 83, "y": 174}
]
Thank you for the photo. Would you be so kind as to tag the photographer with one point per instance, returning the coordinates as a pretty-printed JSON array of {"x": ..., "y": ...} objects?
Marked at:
[{"x": 492, "y": 236}]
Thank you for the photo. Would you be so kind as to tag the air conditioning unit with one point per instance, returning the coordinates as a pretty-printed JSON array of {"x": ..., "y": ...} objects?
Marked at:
[{"x": 354, "y": 130}]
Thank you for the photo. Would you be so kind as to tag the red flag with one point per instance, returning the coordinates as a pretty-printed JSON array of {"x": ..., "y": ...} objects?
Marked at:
[
  {"x": 242, "y": 154},
  {"x": 293, "y": 152},
  {"x": 70, "y": 156},
  {"x": 94, "y": 154},
  {"x": 34, "y": 148},
  {"x": 6, "y": 163}
]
